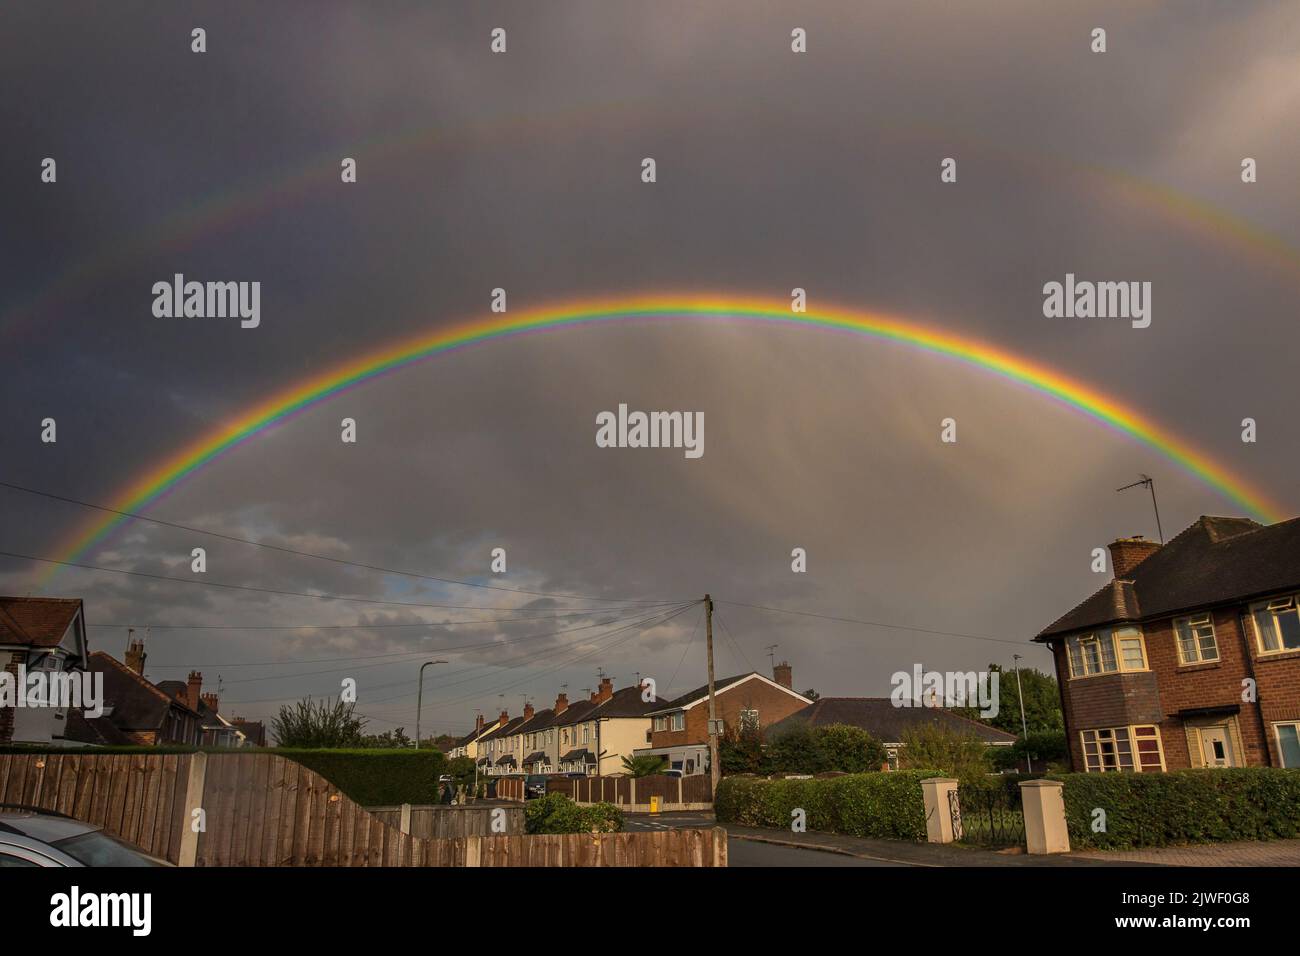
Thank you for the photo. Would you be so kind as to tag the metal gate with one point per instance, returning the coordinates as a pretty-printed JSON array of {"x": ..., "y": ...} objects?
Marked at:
[{"x": 988, "y": 814}]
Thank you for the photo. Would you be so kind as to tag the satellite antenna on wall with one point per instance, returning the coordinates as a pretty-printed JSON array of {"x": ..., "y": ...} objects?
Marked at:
[{"x": 1150, "y": 483}]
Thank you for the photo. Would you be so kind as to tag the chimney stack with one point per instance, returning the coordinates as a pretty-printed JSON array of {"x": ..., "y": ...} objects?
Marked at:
[
  {"x": 135, "y": 655},
  {"x": 528, "y": 711},
  {"x": 211, "y": 701},
  {"x": 783, "y": 674},
  {"x": 1127, "y": 553},
  {"x": 604, "y": 692},
  {"x": 561, "y": 703},
  {"x": 505, "y": 718},
  {"x": 193, "y": 690}
]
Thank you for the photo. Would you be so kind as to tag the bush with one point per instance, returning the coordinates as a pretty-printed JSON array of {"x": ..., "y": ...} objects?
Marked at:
[
  {"x": 841, "y": 747},
  {"x": 957, "y": 754},
  {"x": 1182, "y": 806},
  {"x": 1045, "y": 747},
  {"x": 556, "y": 813},
  {"x": 878, "y": 805}
]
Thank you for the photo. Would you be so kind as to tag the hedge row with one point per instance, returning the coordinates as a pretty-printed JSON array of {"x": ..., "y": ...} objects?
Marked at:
[
  {"x": 370, "y": 777},
  {"x": 1181, "y": 806},
  {"x": 879, "y": 805},
  {"x": 556, "y": 813}
]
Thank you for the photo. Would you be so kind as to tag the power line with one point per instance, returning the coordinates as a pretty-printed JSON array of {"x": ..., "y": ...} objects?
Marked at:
[
  {"x": 278, "y": 591},
  {"x": 681, "y": 660},
  {"x": 569, "y": 612},
  {"x": 734, "y": 643},
  {"x": 854, "y": 620},
  {"x": 308, "y": 554},
  {"x": 406, "y": 654}
]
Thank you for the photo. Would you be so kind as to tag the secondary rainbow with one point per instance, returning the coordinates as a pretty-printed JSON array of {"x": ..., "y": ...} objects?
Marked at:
[{"x": 318, "y": 388}]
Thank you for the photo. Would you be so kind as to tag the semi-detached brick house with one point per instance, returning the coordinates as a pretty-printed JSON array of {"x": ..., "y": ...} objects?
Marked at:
[
  {"x": 680, "y": 727},
  {"x": 1190, "y": 656}
]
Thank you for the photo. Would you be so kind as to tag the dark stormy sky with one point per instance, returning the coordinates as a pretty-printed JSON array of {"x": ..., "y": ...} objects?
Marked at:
[{"x": 521, "y": 170}]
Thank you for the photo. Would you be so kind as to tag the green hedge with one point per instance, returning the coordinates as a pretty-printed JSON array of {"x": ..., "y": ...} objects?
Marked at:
[
  {"x": 1182, "y": 806},
  {"x": 369, "y": 776},
  {"x": 556, "y": 813},
  {"x": 878, "y": 805},
  {"x": 376, "y": 778}
]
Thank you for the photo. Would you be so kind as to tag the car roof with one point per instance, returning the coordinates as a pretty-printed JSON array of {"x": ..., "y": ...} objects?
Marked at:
[{"x": 40, "y": 826}]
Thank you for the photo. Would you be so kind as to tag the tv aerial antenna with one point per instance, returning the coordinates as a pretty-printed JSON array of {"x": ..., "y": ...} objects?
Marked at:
[{"x": 1150, "y": 484}]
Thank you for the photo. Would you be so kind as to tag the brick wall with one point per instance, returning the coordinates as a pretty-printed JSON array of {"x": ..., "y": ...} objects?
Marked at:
[
  {"x": 7, "y": 713},
  {"x": 1157, "y": 697},
  {"x": 771, "y": 703}
]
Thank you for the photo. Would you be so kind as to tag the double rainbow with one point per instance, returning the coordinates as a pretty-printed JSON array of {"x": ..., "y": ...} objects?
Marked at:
[{"x": 320, "y": 387}]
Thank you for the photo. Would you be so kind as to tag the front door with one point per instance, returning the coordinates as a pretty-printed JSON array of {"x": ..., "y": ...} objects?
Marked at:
[{"x": 1217, "y": 747}]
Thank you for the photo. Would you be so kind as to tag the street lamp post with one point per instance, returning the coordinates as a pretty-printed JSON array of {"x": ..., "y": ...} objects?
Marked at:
[
  {"x": 419, "y": 700},
  {"x": 1024, "y": 727}
]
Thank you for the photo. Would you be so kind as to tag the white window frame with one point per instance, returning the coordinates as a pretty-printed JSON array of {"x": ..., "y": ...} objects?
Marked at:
[
  {"x": 677, "y": 720},
  {"x": 1111, "y": 735},
  {"x": 1276, "y": 604},
  {"x": 1277, "y": 735},
  {"x": 1116, "y": 638},
  {"x": 1192, "y": 622}
]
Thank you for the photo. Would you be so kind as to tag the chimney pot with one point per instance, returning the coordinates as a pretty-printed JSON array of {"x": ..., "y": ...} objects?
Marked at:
[
  {"x": 605, "y": 691},
  {"x": 528, "y": 712},
  {"x": 505, "y": 718},
  {"x": 561, "y": 703}
]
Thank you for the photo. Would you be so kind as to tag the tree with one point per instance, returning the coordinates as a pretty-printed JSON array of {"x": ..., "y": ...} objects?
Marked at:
[
  {"x": 811, "y": 694},
  {"x": 319, "y": 723},
  {"x": 1042, "y": 702},
  {"x": 388, "y": 740},
  {"x": 644, "y": 765}
]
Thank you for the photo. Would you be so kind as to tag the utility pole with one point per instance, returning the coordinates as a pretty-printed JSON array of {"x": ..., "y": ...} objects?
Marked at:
[
  {"x": 419, "y": 700},
  {"x": 1024, "y": 727},
  {"x": 715, "y": 761}
]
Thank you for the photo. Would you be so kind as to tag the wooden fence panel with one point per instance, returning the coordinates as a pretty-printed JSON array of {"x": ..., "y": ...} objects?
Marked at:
[{"x": 266, "y": 810}]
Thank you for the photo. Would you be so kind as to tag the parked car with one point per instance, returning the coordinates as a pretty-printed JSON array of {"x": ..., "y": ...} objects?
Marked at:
[
  {"x": 36, "y": 838},
  {"x": 534, "y": 786},
  {"x": 671, "y": 773},
  {"x": 575, "y": 775}
]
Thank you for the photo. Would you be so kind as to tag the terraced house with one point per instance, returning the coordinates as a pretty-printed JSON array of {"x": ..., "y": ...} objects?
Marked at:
[
  {"x": 589, "y": 736},
  {"x": 1190, "y": 655}
]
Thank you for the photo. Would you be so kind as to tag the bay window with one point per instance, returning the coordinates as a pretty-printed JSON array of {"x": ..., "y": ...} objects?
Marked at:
[
  {"x": 1119, "y": 749},
  {"x": 1106, "y": 651}
]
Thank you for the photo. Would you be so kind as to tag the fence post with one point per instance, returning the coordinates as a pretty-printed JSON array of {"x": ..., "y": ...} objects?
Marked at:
[
  {"x": 189, "y": 852},
  {"x": 938, "y": 812},
  {"x": 719, "y": 846},
  {"x": 405, "y": 825},
  {"x": 1044, "y": 808},
  {"x": 473, "y": 851},
  {"x": 679, "y": 793},
  {"x": 632, "y": 798}
]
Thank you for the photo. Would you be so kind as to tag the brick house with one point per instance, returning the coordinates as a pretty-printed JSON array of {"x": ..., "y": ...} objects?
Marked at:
[
  {"x": 1190, "y": 655},
  {"x": 137, "y": 709},
  {"x": 40, "y": 634},
  {"x": 680, "y": 728},
  {"x": 214, "y": 729}
]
